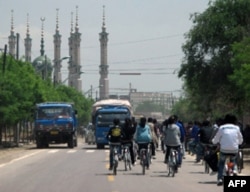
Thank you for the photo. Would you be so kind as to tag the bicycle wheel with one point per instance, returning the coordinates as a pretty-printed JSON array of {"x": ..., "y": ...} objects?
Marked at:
[
  {"x": 144, "y": 163},
  {"x": 206, "y": 167},
  {"x": 171, "y": 168},
  {"x": 129, "y": 161},
  {"x": 115, "y": 167},
  {"x": 239, "y": 162},
  {"x": 125, "y": 163}
]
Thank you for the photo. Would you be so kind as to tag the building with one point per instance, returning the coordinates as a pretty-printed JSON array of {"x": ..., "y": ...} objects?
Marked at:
[
  {"x": 43, "y": 65},
  {"x": 103, "y": 68},
  {"x": 163, "y": 99}
]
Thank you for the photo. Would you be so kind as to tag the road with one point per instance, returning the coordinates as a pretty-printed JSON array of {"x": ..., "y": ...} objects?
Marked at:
[{"x": 85, "y": 169}]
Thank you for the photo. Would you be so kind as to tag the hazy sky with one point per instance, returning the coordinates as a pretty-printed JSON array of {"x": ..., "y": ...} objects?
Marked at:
[{"x": 144, "y": 36}]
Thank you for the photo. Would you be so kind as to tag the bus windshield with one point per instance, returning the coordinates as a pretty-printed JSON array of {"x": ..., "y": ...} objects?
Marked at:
[{"x": 106, "y": 119}]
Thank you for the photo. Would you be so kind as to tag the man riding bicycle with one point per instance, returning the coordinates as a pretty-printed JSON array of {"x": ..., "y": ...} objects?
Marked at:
[
  {"x": 229, "y": 138},
  {"x": 172, "y": 137},
  {"x": 114, "y": 137},
  {"x": 143, "y": 135},
  {"x": 128, "y": 131}
]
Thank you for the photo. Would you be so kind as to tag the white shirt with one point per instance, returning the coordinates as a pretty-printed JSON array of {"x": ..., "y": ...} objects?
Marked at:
[{"x": 229, "y": 137}]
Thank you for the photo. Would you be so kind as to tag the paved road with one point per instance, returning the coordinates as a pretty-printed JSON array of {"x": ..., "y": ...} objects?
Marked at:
[{"x": 86, "y": 169}]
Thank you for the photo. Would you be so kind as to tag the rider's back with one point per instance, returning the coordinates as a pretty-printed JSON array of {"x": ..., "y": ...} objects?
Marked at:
[{"x": 143, "y": 134}]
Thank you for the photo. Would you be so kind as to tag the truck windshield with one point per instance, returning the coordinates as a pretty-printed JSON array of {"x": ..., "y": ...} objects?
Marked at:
[
  {"x": 53, "y": 112},
  {"x": 106, "y": 119}
]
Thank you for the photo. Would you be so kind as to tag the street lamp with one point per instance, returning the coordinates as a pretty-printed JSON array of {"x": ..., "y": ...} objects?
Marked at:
[
  {"x": 71, "y": 76},
  {"x": 64, "y": 81},
  {"x": 57, "y": 69}
]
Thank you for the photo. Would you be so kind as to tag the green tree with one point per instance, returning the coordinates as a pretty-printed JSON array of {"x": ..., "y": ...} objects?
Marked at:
[
  {"x": 21, "y": 88},
  {"x": 208, "y": 53}
]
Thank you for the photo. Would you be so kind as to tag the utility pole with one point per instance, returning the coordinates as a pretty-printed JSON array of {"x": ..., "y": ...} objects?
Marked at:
[
  {"x": 4, "y": 57},
  {"x": 17, "y": 46},
  {"x": 91, "y": 91}
]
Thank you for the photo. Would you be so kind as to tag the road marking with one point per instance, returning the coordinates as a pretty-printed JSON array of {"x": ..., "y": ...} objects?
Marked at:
[
  {"x": 71, "y": 151},
  {"x": 111, "y": 178},
  {"x": 53, "y": 151},
  {"x": 20, "y": 158},
  {"x": 90, "y": 151},
  {"x": 2, "y": 165}
]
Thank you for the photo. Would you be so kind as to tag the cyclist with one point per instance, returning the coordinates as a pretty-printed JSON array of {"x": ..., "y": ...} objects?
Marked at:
[
  {"x": 205, "y": 133},
  {"x": 172, "y": 138},
  {"x": 154, "y": 141},
  {"x": 128, "y": 131},
  {"x": 114, "y": 137},
  {"x": 229, "y": 138},
  {"x": 194, "y": 138},
  {"x": 182, "y": 138},
  {"x": 143, "y": 135}
]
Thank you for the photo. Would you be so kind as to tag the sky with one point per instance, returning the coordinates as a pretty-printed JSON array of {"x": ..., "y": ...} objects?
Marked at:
[{"x": 145, "y": 36}]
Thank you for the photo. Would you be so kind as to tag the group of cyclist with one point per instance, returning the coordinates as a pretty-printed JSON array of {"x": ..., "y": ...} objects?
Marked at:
[
  {"x": 225, "y": 137},
  {"x": 147, "y": 131}
]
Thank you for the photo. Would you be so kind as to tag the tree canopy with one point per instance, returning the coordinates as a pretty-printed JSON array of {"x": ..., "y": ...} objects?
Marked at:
[
  {"x": 21, "y": 88},
  {"x": 214, "y": 69}
]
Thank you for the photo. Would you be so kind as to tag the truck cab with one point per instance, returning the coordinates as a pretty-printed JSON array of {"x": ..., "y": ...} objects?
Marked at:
[{"x": 55, "y": 123}]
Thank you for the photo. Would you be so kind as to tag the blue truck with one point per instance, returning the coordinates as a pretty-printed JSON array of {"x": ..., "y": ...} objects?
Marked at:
[
  {"x": 55, "y": 123},
  {"x": 103, "y": 113}
]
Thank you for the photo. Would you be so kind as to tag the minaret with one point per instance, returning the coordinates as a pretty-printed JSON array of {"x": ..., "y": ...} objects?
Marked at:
[
  {"x": 104, "y": 82},
  {"x": 71, "y": 52},
  {"x": 42, "y": 63},
  {"x": 12, "y": 38},
  {"x": 42, "y": 37},
  {"x": 75, "y": 65},
  {"x": 28, "y": 43},
  {"x": 57, "y": 53}
]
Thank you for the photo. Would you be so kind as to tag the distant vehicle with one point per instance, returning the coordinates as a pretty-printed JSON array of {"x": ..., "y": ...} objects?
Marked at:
[
  {"x": 55, "y": 122},
  {"x": 103, "y": 114},
  {"x": 90, "y": 134}
]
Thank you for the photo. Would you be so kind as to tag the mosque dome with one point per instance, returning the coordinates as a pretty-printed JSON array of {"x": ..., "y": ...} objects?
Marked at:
[{"x": 42, "y": 63}]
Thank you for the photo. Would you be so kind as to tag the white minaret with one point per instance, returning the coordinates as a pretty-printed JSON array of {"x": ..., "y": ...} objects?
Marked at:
[
  {"x": 75, "y": 62},
  {"x": 12, "y": 38},
  {"x": 104, "y": 82},
  {"x": 28, "y": 42},
  {"x": 57, "y": 77}
]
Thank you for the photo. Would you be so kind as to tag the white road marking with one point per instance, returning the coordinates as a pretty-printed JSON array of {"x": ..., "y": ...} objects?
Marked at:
[
  {"x": 53, "y": 151},
  {"x": 71, "y": 151},
  {"x": 20, "y": 158},
  {"x": 90, "y": 151}
]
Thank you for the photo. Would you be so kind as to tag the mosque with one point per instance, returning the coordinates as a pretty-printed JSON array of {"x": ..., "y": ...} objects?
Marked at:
[{"x": 46, "y": 68}]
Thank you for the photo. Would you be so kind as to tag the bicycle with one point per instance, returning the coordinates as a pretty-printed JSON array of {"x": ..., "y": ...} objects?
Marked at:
[
  {"x": 229, "y": 166},
  {"x": 126, "y": 156},
  {"x": 172, "y": 164},
  {"x": 145, "y": 156},
  {"x": 115, "y": 154},
  {"x": 239, "y": 160}
]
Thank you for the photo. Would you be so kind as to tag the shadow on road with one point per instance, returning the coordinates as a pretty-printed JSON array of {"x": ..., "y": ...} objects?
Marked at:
[{"x": 207, "y": 182}]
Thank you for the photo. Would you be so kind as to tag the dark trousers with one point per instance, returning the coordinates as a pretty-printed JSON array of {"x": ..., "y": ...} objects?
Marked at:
[{"x": 153, "y": 148}]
